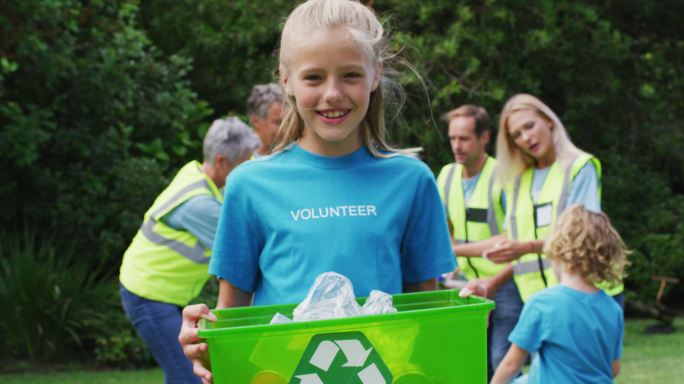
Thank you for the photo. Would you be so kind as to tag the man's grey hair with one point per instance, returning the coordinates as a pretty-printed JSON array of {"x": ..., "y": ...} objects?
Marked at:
[
  {"x": 230, "y": 137},
  {"x": 261, "y": 97}
]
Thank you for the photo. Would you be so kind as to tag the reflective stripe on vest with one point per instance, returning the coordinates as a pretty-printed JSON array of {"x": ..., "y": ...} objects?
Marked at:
[
  {"x": 530, "y": 266},
  {"x": 196, "y": 254},
  {"x": 480, "y": 220},
  {"x": 532, "y": 272},
  {"x": 163, "y": 263},
  {"x": 491, "y": 214}
]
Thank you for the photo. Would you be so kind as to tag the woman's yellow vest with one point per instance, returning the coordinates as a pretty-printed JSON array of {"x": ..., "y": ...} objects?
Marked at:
[
  {"x": 163, "y": 263},
  {"x": 529, "y": 221},
  {"x": 480, "y": 220}
]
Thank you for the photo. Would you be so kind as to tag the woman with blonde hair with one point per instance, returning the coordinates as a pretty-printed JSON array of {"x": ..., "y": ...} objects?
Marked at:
[{"x": 545, "y": 173}]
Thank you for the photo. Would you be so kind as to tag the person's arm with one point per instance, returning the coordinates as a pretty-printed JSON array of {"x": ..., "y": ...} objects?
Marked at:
[
  {"x": 232, "y": 296},
  {"x": 616, "y": 368},
  {"x": 193, "y": 347},
  {"x": 510, "y": 365},
  {"x": 429, "y": 285},
  {"x": 476, "y": 249},
  {"x": 487, "y": 287},
  {"x": 199, "y": 216},
  {"x": 510, "y": 250}
]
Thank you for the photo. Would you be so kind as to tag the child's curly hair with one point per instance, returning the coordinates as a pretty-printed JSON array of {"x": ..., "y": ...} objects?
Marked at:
[{"x": 587, "y": 244}]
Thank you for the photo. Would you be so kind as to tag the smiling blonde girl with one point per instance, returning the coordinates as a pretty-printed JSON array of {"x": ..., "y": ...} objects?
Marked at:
[{"x": 335, "y": 196}]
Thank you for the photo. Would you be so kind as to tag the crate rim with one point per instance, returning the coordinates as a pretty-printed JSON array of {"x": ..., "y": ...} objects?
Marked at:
[{"x": 472, "y": 304}]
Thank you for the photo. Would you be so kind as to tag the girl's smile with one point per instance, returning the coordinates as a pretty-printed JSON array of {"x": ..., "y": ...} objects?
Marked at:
[{"x": 334, "y": 116}]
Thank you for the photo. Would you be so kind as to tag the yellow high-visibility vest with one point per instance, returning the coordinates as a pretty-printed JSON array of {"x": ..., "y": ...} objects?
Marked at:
[
  {"x": 163, "y": 263},
  {"x": 529, "y": 221},
  {"x": 481, "y": 219}
]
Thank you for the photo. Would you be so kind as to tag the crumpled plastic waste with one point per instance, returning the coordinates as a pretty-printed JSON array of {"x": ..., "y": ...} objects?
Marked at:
[
  {"x": 279, "y": 318},
  {"x": 332, "y": 297},
  {"x": 378, "y": 302}
]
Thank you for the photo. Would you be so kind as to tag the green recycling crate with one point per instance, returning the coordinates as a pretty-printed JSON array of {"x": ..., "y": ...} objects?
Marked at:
[{"x": 435, "y": 337}]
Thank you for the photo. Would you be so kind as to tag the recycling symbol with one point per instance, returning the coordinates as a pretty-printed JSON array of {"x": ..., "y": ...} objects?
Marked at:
[{"x": 341, "y": 358}]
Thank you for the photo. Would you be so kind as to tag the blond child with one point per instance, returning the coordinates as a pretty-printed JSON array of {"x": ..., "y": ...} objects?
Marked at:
[
  {"x": 575, "y": 328},
  {"x": 334, "y": 195}
]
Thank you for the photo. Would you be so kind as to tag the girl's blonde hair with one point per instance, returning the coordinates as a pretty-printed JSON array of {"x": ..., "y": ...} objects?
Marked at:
[
  {"x": 366, "y": 30},
  {"x": 588, "y": 245},
  {"x": 511, "y": 160}
]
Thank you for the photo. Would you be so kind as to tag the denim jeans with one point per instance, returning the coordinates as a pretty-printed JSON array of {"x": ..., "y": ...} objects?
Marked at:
[
  {"x": 158, "y": 324},
  {"x": 501, "y": 323}
]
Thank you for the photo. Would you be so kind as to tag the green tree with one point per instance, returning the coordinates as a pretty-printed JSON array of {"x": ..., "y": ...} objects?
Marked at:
[
  {"x": 232, "y": 44},
  {"x": 93, "y": 119}
]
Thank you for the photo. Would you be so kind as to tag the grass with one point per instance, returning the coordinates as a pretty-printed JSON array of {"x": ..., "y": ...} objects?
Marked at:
[
  {"x": 647, "y": 359},
  {"x": 147, "y": 376},
  {"x": 650, "y": 359}
]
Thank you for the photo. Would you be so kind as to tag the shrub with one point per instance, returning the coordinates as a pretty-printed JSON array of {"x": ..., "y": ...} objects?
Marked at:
[
  {"x": 86, "y": 103},
  {"x": 53, "y": 303},
  {"x": 119, "y": 346}
]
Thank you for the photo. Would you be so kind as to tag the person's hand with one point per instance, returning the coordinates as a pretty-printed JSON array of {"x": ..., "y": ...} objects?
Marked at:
[
  {"x": 192, "y": 345},
  {"x": 475, "y": 287},
  {"x": 506, "y": 251}
]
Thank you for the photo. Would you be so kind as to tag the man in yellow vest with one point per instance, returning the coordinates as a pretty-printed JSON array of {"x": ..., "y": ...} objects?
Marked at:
[
  {"x": 475, "y": 206},
  {"x": 166, "y": 264},
  {"x": 264, "y": 109}
]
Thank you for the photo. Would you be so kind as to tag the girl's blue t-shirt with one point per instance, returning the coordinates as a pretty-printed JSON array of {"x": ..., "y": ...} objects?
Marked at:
[{"x": 290, "y": 216}]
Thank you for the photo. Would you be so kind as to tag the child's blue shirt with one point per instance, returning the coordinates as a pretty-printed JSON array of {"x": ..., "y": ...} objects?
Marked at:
[
  {"x": 293, "y": 215},
  {"x": 577, "y": 335}
]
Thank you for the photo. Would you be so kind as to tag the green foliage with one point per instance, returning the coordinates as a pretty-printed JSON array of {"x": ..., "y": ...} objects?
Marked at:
[
  {"x": 209, "y": 294},
  {"x": 120, "y": 346},
  {"x": 53, "y": 303},
  {"x": 84, "y": 97},
  {"x": 231, "y": 43}
]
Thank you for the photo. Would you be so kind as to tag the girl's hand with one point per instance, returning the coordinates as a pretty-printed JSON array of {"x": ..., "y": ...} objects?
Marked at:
[{"x": 192, "y": 345}]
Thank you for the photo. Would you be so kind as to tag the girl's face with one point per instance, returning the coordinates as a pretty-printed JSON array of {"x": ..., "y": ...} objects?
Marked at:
[
  {"x": 533, "y": 134},
  {"x": 331, "y": 79}
]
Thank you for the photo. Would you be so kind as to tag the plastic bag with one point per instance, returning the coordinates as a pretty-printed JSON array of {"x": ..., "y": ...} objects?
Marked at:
[
  {"x": 378, "y": 302},
  {"x": 331, "y": 296}
]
